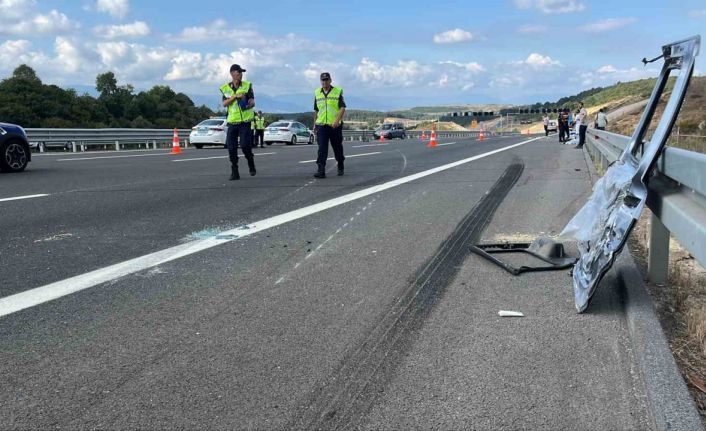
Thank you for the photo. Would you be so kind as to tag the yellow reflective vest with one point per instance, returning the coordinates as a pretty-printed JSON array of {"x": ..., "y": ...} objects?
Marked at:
[
  {"x": 236, "y": 113},
  {"x": 327, "y": 105}
]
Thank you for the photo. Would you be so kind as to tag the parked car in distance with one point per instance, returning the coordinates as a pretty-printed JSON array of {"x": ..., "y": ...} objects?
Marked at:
[
  {"x": 289, "y": 132},
  {"x": 209, "y": 132},
  {"x": 552, "y": 126},
  {"x": 14, "y": 148},
  {"x": 43, "y": 146},
  {"x": 391, "y": 130}
]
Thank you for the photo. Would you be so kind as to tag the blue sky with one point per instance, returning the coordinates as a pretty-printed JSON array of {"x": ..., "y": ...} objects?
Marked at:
[{"x": 384, "y": 54}]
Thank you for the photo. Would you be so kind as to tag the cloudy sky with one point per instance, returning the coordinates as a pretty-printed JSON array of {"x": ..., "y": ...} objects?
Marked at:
[{"x": 383, "y": 53}]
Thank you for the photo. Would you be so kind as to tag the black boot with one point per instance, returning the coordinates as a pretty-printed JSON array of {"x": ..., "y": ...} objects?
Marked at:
[
  {"x": 251, "y": 165},
  {"x": 340, "y": 168},
  {"x": 234, "y": 175},
  {"x": 321, "y": 173}
]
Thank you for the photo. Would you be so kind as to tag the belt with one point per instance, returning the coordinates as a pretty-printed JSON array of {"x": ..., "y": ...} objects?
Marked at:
[{"x": 239, "y": 122}]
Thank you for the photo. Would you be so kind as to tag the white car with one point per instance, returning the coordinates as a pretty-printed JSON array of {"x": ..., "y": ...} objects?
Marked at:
[
  {"x": 209, "y": 132},
  {"x": 289, "y": 132}
]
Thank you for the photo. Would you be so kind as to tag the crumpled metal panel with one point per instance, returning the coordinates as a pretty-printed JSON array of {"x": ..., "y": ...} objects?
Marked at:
[{"x": 603, "y": 225}]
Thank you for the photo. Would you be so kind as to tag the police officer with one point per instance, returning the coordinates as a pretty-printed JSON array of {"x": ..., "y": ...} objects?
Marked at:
[
  {"x": 329, "y": 108},
  {"x": 258, "y": 126},
  {"x": 239, "y": 99}
]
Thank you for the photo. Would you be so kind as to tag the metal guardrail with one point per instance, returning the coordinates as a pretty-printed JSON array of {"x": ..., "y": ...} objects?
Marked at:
[
  {"x": 676, "y": 197},
  {"x": 80, "y": 139}
]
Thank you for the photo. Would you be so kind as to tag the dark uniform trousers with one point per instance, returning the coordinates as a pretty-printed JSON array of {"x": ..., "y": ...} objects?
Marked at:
[
  {"x": 259, "y": 137},
  {"x": 582, "y": 135},
  {"x": 240, "y": 133},
  {"x": 324, "y": 135}
]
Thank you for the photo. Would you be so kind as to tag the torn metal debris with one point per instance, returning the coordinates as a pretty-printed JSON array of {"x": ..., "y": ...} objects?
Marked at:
[
  {"x": 545, "y": 249},
  {"x": 604, "y": 223}
]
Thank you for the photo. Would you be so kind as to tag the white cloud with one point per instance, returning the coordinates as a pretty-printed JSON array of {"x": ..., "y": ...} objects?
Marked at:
[
  {"x": 53, "y": 23},
  {"x": 116, "y": 8},
  {"x": 539, "y": 61},
  {"x": 470, "y": 67},
  {"x": 552, "y": 6},
  {"x": 609, "y": 68},
  {"x": 532, "y": 29},
  {"x": 700, "y": 13},
  {"x": 136, "y": 29},
  {"x": 402, "y": 74},
  {"x": 453, "y": 36},
  {"x": 607, "y": 25},
  {"x": 68, "y": 54},
  {"x": 15, "y": 9}
]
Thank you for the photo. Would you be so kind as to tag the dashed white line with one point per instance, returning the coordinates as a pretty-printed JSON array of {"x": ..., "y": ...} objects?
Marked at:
[
  {"x": 19, "y": 198},
  {"x": 348, "y": 157},
  {"x": 39, "y": 295},
  {"x": 368, "y": 145},
  {"x": 218, "y": 157},
  {"x": 448, "y": 143}
]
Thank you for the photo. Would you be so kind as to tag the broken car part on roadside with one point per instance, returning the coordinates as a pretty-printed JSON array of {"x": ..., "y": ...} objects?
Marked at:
[
  {"x": 603, "y": 225},
  {"x": 601, "y": 228}
]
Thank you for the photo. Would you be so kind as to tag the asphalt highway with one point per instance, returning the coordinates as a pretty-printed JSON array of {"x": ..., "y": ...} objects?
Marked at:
[{"x": 145, "y": 290}]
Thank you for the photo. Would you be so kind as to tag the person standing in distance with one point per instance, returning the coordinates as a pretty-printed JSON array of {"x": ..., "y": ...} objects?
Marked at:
[
  {"x": 329, "y": 108},
  {"x": 258, "y": 126},
  {"x": 583, "y": 117},
  {"x": 239, "y": 99}
]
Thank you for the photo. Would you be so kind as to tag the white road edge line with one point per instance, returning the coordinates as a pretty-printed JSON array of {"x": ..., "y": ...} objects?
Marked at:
[
  {"x": 348, "y": 157},
  {"x": 19, "y": 198},
  {"x": 111, "y": 157},
  {"x": 448, "y": 143},
  {"x": 39, "y": 295},
  {"x": 217, "y": 157}
]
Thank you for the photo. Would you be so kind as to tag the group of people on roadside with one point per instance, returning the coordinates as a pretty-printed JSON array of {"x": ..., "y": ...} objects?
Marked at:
[{"x": 566, "y": 120}]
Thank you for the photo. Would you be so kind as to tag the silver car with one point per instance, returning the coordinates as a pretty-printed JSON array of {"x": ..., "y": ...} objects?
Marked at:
[
  {"x": 289, "y": 132},
  {"x": 209, "y": 132}
]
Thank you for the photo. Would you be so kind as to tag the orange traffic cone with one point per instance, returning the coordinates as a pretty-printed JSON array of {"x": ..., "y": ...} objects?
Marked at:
[
  {"x": 432, "y": 141},
  {"x": 382, "y": 136},
  {"x": 481, "y": 135},
  {"x": 176, "y": 148},
  {"x": 424, "y": 136}
]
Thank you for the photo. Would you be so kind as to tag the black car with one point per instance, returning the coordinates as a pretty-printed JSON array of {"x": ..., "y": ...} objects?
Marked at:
[
  {"x": 14, "y": 148},
  {"x": 391, "y": 130}
]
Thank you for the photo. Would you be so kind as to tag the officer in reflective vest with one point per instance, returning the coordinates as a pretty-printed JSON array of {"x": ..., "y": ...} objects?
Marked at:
[
  {"x": 239, "y": 99},
  {"x": 329, "y": 108},
  {"x": 258, "y": 127}
]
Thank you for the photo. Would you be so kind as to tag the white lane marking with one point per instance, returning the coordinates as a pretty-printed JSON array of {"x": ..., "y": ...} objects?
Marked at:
[
  {"x": 218, "y": 157},
  {"x": 348, "y": 157},
  {"x": 448, "y": 143},
  {"x": 101, "y": 152},
  {"x": 19, "y": 198},
  {"x": 39, "y": 295},
  {"x": 368, "y": 145},
  {"x": 111, "y": 157}
]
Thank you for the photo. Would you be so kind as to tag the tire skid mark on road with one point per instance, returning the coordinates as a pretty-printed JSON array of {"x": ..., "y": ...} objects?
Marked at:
[
  {"x": 58, "y": 289},
  {"x": 343, "y": 399},
  {"x": 312, "y": 253}
]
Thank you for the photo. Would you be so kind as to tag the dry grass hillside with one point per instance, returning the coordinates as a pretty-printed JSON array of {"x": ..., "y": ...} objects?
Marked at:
[{"x": 690, "y": 129}]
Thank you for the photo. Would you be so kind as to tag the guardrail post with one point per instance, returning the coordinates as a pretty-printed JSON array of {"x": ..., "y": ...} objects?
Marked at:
[
  {"x": 154, "y": 145},
  {"x": 83, "y": 147},
  {"x": 73, "y": 146},
  {"x": 658, "y": 261},
  {"x": 41, "y": 147},
  {"x": 117, "y": 145}
]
